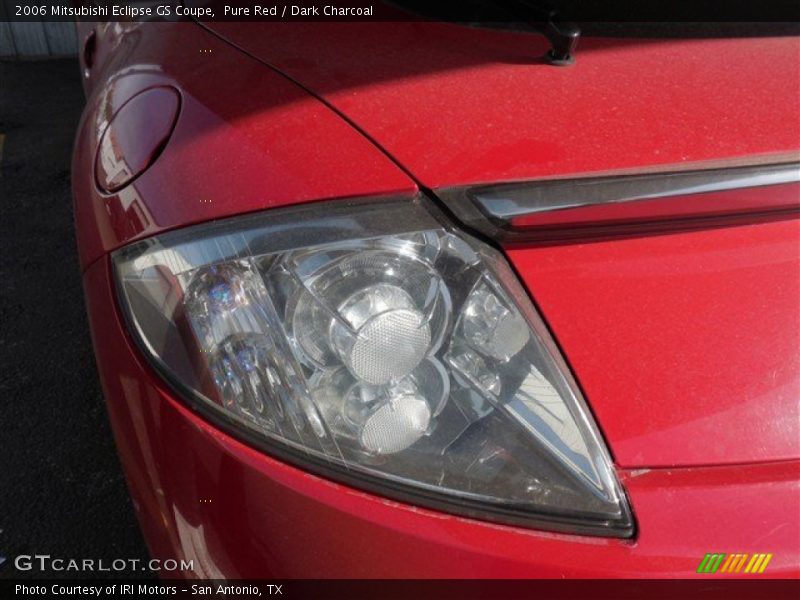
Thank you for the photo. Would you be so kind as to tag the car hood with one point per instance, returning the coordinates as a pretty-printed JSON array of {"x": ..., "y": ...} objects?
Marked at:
[
  {"x": 457, "y": 105},
  {"x": 684, "y": 344}
]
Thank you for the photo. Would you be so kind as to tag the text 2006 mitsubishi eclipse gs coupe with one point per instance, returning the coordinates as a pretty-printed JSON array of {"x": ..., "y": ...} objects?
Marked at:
[{"x": 406, "y": 300}]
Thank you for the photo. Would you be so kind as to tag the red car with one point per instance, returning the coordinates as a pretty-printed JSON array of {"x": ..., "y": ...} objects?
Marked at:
[{"x": 407, "y": 300}]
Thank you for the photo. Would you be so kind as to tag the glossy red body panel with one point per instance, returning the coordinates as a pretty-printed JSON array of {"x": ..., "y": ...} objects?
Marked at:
[
  {"x": 458, "y": 105},
  {"x": 136, "y": 134},
  {"x": 685, "y": 344},
  {"x": 268, "y": 519},
  {"x": 264, "y": 144}
]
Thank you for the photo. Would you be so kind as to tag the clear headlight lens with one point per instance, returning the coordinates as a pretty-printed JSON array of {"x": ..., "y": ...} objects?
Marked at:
[{"x": 376, "y": 344}]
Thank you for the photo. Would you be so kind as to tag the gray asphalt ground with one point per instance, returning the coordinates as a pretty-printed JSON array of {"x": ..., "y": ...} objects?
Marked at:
[{"x": 62, "y": 491}]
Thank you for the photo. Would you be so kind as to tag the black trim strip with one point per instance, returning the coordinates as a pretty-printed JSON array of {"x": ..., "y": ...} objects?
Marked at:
[{"x": 515, "y": 210}]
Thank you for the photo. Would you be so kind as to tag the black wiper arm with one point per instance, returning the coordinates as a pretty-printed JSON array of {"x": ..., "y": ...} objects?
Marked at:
[
  {"x": 539, "y": 15},
  {"x": 563, "y": 36}
]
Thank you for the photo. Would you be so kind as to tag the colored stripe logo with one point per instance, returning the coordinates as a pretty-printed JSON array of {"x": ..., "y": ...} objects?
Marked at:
[{"x": 733, "y": 563}]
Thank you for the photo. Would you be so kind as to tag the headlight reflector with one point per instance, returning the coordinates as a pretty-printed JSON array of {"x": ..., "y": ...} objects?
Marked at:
[{"x": 373, "y": 342}]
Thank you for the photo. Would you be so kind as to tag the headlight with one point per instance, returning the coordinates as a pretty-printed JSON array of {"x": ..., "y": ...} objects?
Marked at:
[{"x": 375, "y": 344}]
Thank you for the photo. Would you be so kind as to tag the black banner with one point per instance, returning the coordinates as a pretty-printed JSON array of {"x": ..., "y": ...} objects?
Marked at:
[
  {"x": 405, "y": 589},
  {"x": 472, "y": 11}
]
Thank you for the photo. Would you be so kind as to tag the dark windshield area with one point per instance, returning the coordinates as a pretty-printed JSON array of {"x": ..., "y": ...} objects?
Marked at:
[{"x": 619, "y": 18}]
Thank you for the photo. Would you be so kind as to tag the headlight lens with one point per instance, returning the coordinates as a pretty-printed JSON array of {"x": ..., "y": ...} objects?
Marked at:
[{"x": 376, "y": 344}]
